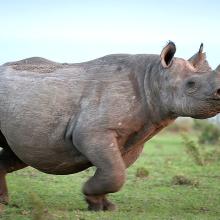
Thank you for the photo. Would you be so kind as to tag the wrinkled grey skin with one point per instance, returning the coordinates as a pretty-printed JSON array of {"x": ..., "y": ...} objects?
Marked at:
[{"x": 64, "y": 118}]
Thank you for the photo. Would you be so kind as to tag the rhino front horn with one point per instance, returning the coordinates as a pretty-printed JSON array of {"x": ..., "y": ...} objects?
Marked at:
[{"x": 167, "y": 54}]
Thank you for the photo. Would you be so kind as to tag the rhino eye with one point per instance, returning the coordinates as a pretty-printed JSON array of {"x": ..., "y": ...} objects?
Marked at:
[{"x": 191, "y": 84}]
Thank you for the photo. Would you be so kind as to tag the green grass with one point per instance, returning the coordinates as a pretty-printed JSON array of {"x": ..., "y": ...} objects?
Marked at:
[{"x": 151, "y": 197}]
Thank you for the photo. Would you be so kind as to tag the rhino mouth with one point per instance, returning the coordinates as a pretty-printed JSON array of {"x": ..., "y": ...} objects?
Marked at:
[
  {"x": 215, "y": 99},
  {"x": 215, "y": 96},
  {"x": 207, "y": 115}
]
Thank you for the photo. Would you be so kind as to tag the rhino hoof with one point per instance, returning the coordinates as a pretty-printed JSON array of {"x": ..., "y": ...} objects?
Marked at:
[
  {"x": 94, "y": 203},
  {"x": 108, "y": 206},
  {"x": 99, "y": 203},
  {"x": 95, "y": 207}
]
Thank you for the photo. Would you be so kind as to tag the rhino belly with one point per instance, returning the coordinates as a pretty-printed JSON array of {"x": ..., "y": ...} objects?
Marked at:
[{"x": 58, "y": 160}]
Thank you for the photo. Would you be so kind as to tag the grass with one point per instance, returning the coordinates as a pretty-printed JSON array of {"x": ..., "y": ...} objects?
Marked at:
[{"x": 35, "y": 195}]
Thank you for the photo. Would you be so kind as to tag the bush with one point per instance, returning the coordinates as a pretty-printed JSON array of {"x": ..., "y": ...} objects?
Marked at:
[
  {"x": 37, "y": 207},
  {"x": 209, "y": 133},
  {"x": 181, "y": 125},
  {"x": 201, "y": 155},
  {"x": 193, "y": 150},
  {"x": 39, "y": 211},
  {"x": 211, "y": 155},
  {"x": 182, "y": 180},
  {"x": 142, "y": 172}
]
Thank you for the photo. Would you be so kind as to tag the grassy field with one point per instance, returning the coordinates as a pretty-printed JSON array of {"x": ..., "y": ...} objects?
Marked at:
[{"x": 35, "y": 195}]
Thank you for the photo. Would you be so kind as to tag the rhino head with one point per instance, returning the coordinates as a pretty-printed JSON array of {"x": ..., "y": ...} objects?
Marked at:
[{"x": 188, "y": 88}]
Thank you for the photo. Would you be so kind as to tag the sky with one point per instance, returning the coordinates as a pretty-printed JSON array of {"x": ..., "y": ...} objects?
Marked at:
[{"x": 77, "y": 31}]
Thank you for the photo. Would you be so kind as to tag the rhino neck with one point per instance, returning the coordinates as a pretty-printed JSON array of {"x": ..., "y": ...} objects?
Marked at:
[
  {"x": 154, "y": 80},
  {"x": 154, "y": 116}
]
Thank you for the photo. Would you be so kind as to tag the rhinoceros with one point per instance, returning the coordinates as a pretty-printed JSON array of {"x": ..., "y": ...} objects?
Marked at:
[{"x": 64, "y": 118}]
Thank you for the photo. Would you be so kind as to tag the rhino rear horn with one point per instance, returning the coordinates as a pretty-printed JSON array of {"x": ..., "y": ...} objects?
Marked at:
[
  {"x": 198, "y": 58},
  {"x": 218, "y": 68},
  {"x": 199, "y": 61},
  {"x": 167, "y": 54},
  {"x": 201, "y": 48}
]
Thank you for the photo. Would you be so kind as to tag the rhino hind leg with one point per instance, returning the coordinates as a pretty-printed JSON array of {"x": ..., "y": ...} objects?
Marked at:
[
  {"x": 103, "y": 152},
  {"x": 9, "y": 162}
]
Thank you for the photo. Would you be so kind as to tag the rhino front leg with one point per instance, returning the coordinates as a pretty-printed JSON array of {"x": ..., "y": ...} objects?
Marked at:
[
  {"x": 102, "y": 151},
  {"x": 132, "y": 154},
  {"x": 9, "y": 162}
]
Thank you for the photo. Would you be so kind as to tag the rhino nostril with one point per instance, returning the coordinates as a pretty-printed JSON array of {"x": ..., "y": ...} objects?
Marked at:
[{"x": 217, "y": 93}]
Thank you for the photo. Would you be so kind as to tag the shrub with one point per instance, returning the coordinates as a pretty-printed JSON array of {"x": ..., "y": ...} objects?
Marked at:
[
  {"x": 37, "y": 207},
  {"x": 182, "y": 180},
  {"x": 201, "y": 155},
  {"x": 181, "y": 125},
  {"x": 209, "y": 133},
  {"x": 211, "y": 155},
  {"x": 193, "y": 150},
  {"x": 142, "y": 172}
]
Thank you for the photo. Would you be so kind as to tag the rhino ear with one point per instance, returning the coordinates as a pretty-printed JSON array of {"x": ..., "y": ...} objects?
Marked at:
[
  {"x": 199, "y": 61},
  {"x": 167, "y": 54}
]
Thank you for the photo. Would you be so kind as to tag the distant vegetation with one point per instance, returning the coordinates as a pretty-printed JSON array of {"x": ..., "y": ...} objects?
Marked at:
[
  {"x": 209, "y": 133},
  {"x": 206, "y": 131},
  {"x": 201, "y": 139}
]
